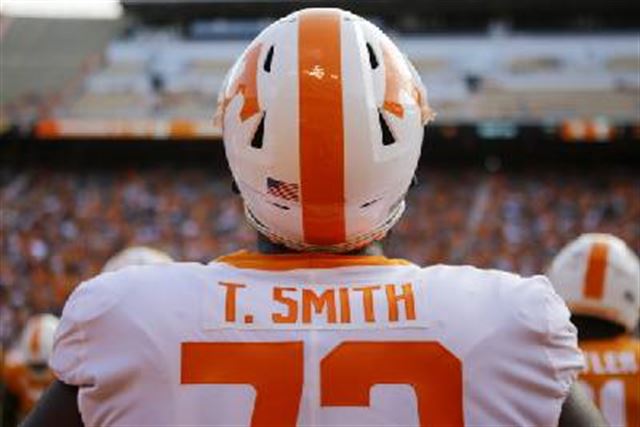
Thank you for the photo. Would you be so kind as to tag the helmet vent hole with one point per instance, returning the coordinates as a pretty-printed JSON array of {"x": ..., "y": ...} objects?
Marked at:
[
  {"x": 268, "y": 60},
  {"x": 258, "y": 137},
  {"x": 369, "y": 203},
  {"x": 279, "y": 206},
  {"x": 387, "y": 136},
  {"x": 373, "y": 60}
]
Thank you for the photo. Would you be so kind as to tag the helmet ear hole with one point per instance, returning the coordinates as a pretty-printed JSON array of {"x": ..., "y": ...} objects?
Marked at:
[
  {"x": 387, "y": 136},
  {"x": 258, "y": 136}
]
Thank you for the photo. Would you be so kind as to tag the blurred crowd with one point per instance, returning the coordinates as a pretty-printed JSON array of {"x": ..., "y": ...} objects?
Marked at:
[
  {"x": 514, "y": 221},
  {"x": 59, "y": 228}
]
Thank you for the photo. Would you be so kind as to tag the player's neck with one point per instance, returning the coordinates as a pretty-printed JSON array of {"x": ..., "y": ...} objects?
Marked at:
[{"x": 265, "y": 246}]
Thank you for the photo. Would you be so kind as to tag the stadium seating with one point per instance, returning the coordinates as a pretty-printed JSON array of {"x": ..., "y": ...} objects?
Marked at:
[
  {"x": 162, "y": 76},
  {"x": 503, "y": 77},
  {"x": 43, "y": 55}
]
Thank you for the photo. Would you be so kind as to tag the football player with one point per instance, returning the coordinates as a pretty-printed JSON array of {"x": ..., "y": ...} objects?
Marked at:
[
  {"x": 136, "y": 255},
  {"x": 26, "y": 372},
  {"x": 598, "y": 276},
  {"x": 323, "y": 120}
]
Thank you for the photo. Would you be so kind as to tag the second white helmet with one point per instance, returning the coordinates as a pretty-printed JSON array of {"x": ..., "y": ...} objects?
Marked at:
[
  {"x": 323, "y": 121},
  {"x": 36, "y": 341},
  {"x": 136, "y": 255},
  {"x": 599, "y": 275}
]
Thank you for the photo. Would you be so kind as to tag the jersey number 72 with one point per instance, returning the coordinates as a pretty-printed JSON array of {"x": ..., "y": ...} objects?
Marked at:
[{"x": 347, "y": 373}]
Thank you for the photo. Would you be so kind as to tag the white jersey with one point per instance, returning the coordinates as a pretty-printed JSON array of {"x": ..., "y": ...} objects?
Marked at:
[{"x": 316, "y": 340}]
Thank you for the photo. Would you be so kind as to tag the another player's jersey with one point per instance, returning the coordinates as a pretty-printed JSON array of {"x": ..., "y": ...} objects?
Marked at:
[
  {"x": 316, "y": 340},
  {"x": 26, "y": 385},
  {"x": 612, "y": 378}
]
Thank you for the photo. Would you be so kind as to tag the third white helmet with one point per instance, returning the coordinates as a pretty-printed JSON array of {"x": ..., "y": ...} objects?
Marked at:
[
  {"x": 599, "y": 275},
  {"x": 136, "y": 255},
  {"x": 36, "y": 341}
]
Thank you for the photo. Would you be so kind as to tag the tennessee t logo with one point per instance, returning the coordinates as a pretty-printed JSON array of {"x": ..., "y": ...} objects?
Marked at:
[
  {"x": 398, "y": 78},
  {"x": 245, "y": 83}
]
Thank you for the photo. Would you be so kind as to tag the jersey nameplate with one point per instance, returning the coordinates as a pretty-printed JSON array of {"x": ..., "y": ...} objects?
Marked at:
[{"x": 266, "y": 306}]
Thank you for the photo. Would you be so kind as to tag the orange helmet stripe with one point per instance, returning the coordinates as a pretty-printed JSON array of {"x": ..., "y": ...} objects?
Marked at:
[
  {"x": 596, "y": 268},
  {"x": 321, "y": 127},
  {"x": 34, "y": 339}
]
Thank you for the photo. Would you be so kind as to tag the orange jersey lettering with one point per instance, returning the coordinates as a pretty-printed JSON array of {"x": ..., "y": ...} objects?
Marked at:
[{"x": 612, "y": 378}]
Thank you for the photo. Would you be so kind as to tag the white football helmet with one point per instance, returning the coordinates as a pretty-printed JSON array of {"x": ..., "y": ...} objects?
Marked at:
[
  {"x": 136, "y": 255},
  {"x": 599, "y": 275},
  {"x": 323, "y": 120},
  {"x": 36, "y": 341}
]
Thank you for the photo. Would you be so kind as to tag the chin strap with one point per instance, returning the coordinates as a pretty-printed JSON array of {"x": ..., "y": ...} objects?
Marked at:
[{"x": 354, "y": 243}]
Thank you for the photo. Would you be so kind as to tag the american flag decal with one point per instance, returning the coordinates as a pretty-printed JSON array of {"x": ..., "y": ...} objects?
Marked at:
[{"x": 283, "y": 190}]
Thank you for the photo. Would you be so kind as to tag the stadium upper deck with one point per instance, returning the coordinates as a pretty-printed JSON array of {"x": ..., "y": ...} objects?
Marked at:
[
  {"x": 161, "y": 81},
  {"x": 527, "y": 79}
]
